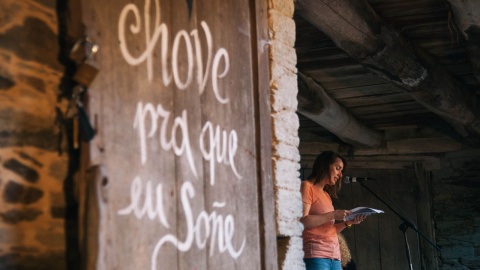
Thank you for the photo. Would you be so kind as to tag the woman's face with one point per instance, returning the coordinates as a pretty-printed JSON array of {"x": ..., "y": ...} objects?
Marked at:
[{"x": 335, "y": 172}]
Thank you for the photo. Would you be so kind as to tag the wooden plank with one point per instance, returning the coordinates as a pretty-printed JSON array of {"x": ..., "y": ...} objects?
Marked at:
[
  {"x": 94, "y": 243},
  {"x": 188, "y": 18},
  {"x": 383, "y": 162},
  {"x": 346, "y": 201},
  {"x": 393, "y": 116},
  {"x": 406, "y": 146},
  {"x": 391, "y": 239},
  {"x": 334, "y": 67},
  {"x": 373, "y": 110},
  {"x": 351, "y": 81},
  {"x": 424, "y": 145},
  {"x": 185, "y": 197},
  {"x": 266, "y": 194},
  {"x": 387, "y": 54},
  {"x": 376, "y": 89},
  {"x": 366, "y": 233},
  {"x": 403, "y": 193},
  {"x": 315, "y": 104},
  {"x": 424, "y": 216},
  {"x": 319, "y": 54},
  {"x": 466, "y": 18},
  {"x": 377, "y": 243},
  {"x": 375, "y": 100}
]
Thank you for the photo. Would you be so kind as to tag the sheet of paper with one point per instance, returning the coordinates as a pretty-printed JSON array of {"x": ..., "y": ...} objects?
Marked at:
[{"x": 362, "y": 211}]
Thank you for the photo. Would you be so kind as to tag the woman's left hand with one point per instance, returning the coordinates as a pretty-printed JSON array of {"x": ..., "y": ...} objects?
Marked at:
[{"x": 358, "y": 219}]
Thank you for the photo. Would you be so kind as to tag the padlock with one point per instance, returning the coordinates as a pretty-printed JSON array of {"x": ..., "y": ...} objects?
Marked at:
[
  {"x": 85, "y": 74},
  {"x": 81, "y": 52}
]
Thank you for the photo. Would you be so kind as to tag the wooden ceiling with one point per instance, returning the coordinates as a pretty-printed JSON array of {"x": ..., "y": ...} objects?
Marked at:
[{"x": 439, "y": 38}]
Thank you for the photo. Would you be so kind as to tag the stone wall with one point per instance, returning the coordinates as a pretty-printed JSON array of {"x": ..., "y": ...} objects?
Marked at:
[
  {"x": 32, "y": 209},
  {"x": 456, "y": 207},
  {"x": 33, "y": 162},
  {"x": 285, "y": 123}
]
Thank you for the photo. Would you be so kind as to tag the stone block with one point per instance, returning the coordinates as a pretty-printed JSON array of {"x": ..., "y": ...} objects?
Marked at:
[
  {"x": 43, "y": 261},
  {"x": 458, "y": 251},
  {"x": 285, "y": 128},
  {"x": 35, "y": 83},
  {"x": 285, "y": 151},
  {"x": 286, "y": 175},
  {"x": 282, "y": 28},
  {"x": 36, "y": 32},
  {"x": 11, "y": 235},
  {"x": 57, "y": 199},
  {"x": 58, "y": 169},
  {"x": 58, "y": 212},
  {"x": 57, "y": 205},
  {"x": 17, "y": 193},
  {"x": 286, "y": 7},
  {"x": 50, "y": 238},
  {"x": 289, "y": 227},
  {"x": 470, "y": 239},
  {"x": 289, "y": 204},
  {"x": 27, "y": 173},
  {"x": 6, "y": 83},
  {"x": 294, "y": 255},
  {"x": 28, "y": 157},
  {"x": 283, "y": 55},
  {"x": 25, "y": 249},
  {"x": 284, "y": 89},
  {"x": 476, "y": 221},
  {"x": 15, "y": 216},
  {"x": 452, "y": 265}
]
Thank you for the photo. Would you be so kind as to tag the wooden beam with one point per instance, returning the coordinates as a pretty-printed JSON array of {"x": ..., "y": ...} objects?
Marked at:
[
  {"x": 467, "y": 18},
  {"x": 430, "y": 162},
  {"x": 398, "y": 147},
  {"x": 361, "y": 33},
  {"x": 315, "y": 104}
]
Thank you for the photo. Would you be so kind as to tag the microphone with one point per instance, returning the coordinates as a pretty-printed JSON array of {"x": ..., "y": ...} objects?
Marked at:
[{"x": 353, "y": 179}]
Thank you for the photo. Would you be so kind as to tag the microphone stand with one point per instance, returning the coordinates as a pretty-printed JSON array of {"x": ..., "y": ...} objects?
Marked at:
[{"x": 403, "y": 227}]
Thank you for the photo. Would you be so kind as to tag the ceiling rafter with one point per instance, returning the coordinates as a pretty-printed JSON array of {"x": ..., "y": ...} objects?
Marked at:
[
  {"x": 358, "y": 30},
  {"x": 315, "y": 104},
  {"x": 467, "y": 18}
]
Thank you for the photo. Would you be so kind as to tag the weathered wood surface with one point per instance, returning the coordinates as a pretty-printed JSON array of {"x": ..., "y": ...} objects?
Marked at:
[
  {"x": 466, "y": 14},
  {"x": 265, "y": 192},
  {"x": 177, "y": 134},
  {"x": 377, "y": 243},
  {"x": 315, "y": 104},
  {"x": 94, "y": 243},
  {"x": 361, "y": 33},
  {"x": 405, "y": 146},
  {"x": 425, "y": 216},
  {"x": 391, "y": 162}
]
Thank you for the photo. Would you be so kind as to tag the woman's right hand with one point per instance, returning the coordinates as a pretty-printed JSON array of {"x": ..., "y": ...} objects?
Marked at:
[{"x": 341, "y": 214}]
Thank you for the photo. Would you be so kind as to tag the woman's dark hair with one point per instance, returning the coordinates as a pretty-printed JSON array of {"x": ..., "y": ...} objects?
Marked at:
[{"x": 321, "y": 168}]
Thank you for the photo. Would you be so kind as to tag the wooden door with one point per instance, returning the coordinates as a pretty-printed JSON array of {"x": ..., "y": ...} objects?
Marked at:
[
  {"x": 176, "y": 109},
  {"x": 378, "y": 243}
]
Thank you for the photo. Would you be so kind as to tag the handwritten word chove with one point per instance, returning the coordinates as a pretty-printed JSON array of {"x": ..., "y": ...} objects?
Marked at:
[{"x": 193, "y": 40}]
